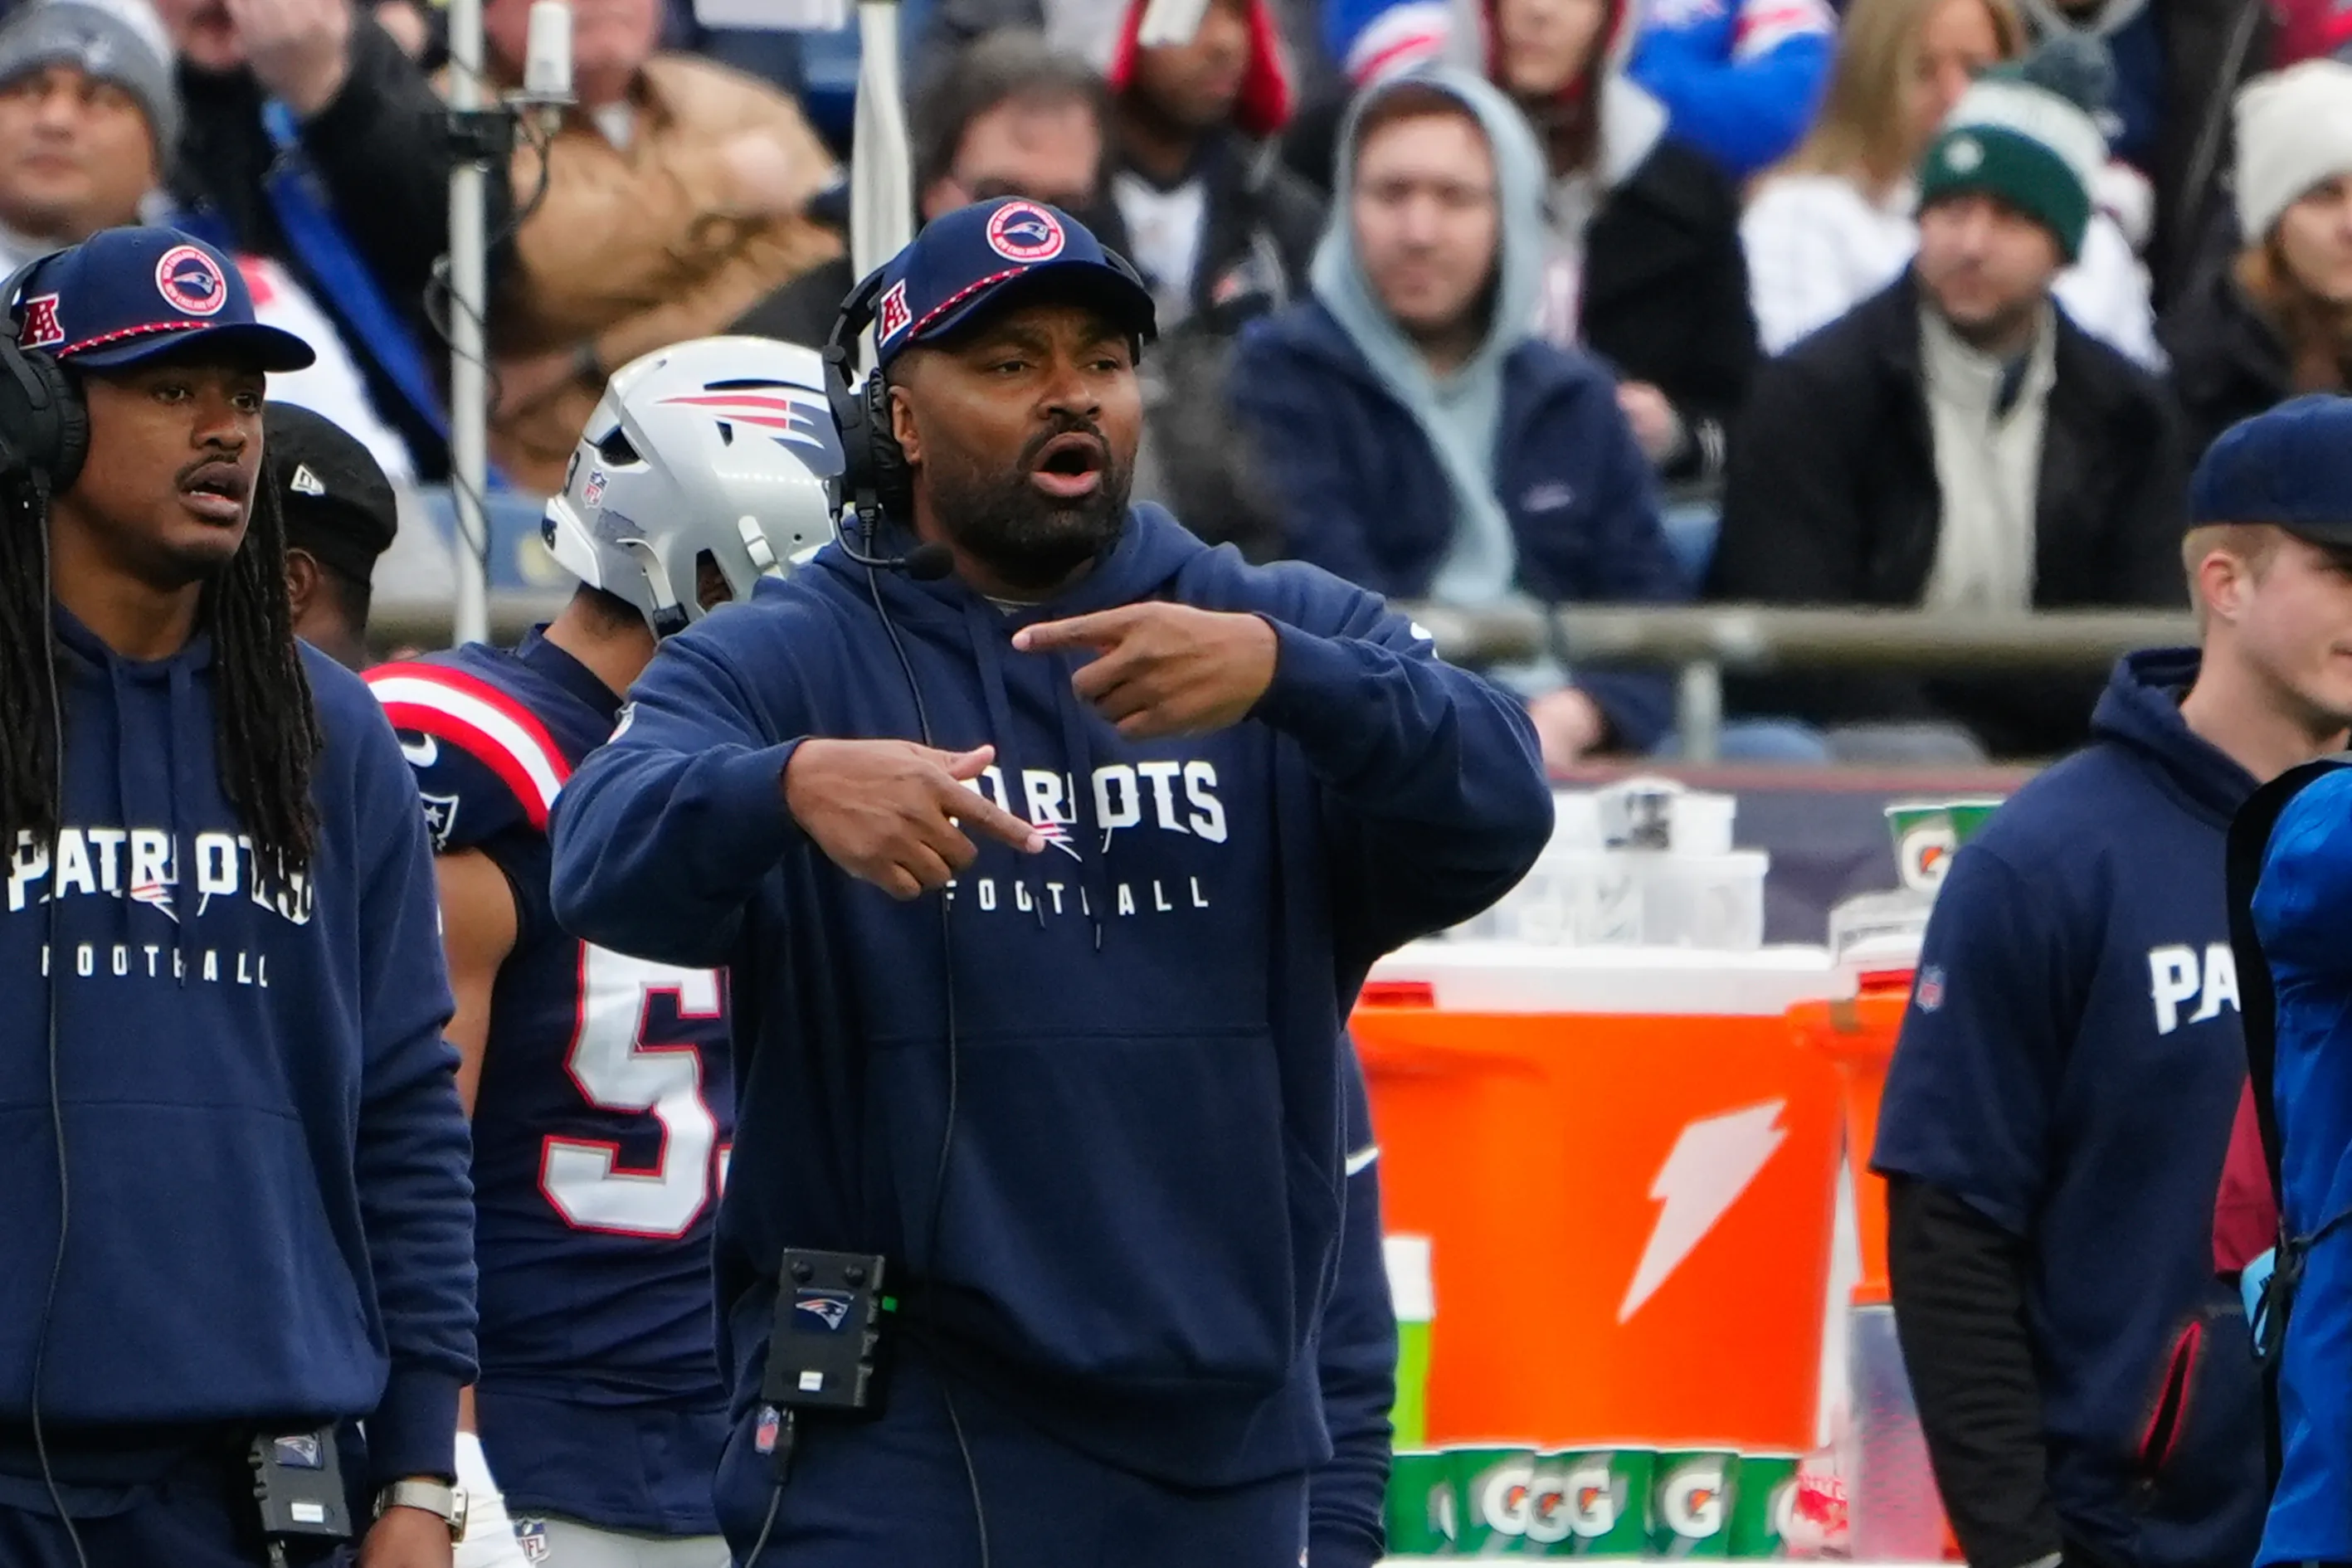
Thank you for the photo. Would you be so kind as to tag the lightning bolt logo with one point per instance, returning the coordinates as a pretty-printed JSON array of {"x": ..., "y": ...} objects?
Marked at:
[{"x": 1716, "y": 1160}]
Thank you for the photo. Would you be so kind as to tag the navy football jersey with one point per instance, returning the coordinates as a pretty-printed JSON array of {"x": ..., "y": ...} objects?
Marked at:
[{"x": 600, "y": 1125}]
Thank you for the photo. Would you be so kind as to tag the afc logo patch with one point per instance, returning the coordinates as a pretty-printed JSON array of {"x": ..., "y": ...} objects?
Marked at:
[
  {"x": 892, "y": 317},
  {"x": 40, "y": 329},
  {"x": 190, "y": 281},
  {"x": 1024, "y": 232}
]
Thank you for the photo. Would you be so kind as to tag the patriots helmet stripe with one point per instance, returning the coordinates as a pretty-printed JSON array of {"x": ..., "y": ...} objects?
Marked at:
[{"x": 796, "y": 418}]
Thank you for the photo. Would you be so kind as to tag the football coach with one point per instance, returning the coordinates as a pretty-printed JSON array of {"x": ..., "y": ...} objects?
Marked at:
[{"x": 1049, "y": 848}]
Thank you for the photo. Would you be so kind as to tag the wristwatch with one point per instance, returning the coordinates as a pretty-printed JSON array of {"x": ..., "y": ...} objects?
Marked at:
[{"x": 435, "y": 1498}]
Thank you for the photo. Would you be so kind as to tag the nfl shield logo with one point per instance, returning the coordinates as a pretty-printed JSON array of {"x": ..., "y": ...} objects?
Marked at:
[
  {"x": 1930, "y": 994},
  {"x": 440, "y": 817},
  {"x": 531, "y": 1535},
  {"x": 764, "y": 1437}
]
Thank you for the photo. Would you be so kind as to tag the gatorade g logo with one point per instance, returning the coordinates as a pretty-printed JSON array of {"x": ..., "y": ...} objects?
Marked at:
[
  {"x": 1503, "y": 1495},
  {"x": 1592, "y": 1499},
  {"x": 1691, "y": 1502},
  {"x": 1924, "y": 854}
]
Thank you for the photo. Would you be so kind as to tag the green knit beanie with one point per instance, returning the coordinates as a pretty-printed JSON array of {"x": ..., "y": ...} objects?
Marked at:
[{"x": 2026, "y": 133}]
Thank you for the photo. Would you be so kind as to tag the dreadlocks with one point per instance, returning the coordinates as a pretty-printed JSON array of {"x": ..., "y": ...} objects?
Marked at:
[{"x": 267, "y": 732}]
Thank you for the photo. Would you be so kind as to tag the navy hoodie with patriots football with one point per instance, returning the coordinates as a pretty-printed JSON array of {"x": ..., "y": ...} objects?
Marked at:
[
  {"x": 1140, "y": 1219},
  {"x": 270, "y": 1218},
  {"x": 2070, "y": 1067}
]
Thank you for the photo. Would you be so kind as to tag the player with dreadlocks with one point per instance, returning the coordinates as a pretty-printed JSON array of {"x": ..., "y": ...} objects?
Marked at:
[{"x": 239, "y": 1229}]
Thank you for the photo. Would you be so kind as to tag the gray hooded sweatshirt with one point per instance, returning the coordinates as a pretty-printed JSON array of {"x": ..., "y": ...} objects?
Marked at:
[{"x": 1460, "y": 413}]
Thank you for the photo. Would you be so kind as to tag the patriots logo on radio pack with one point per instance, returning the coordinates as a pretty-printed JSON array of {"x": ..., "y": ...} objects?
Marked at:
[
  {"x": 190, "y": 281},
  {"x": 827, "y": 1307},
  {"x": 1026, "y": 232}
]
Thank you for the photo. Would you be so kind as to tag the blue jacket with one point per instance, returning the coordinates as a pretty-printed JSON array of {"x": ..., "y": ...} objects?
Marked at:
[
  {"x": 2070, "y": 1067},
  {"x": 1740, "y": 79},
  {"x": 2302, "y": 910},
  {"x": 270, "y": 1215},
  {"x": 1140, "y": 1224},
  {"x": 1365, "y": 497}
]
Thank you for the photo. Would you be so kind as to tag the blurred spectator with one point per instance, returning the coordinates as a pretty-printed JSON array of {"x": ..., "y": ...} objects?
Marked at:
[
  {"x": 1425, "y": 444},
  {"x": 1835, "y": 224},
  {"x": 2310, "y": 30},
  {"x": 2176, "y": 64},
  {"x": 1738, "y": 78},
  {"x": 310, "y": 138},
  {"x": 673, "y": 203},
  {"x": 1957, "y": 442},
  {"x": 1212, "y": 214},
  {"x": 1009, "y": 116},
  {"x": 340, "y": 517},
  {"x": 2275, "y": 320},
  {"x": 86, "y": 107},
  {"x": 1645, "y": 266}
]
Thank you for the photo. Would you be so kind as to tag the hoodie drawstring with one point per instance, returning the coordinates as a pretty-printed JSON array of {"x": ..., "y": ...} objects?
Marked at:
[
  {"x": 987, "y": 652},
  {"x": 1077, "y": 745},
  {"x": 184, "y": 747}
]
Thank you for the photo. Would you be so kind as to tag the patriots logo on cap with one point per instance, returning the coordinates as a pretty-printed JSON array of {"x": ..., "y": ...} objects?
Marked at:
[
  {"x": 892, "y": 317},
  {"x": 190, "y": 281},
  {"x": 796, "y": 418},
  {"x": 1024, "y": 232},
  {"x": 40, "y": 329}
]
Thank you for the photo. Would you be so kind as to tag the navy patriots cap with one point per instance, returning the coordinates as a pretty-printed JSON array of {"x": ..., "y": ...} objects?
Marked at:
[
  {"x": 976, "y": 258},
  {"x": 124, "y": 295},
  {"x": 2290, "y": 465}
]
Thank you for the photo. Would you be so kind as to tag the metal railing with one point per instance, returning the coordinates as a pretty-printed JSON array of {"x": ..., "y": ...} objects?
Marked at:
[{"x": 1699, "y": 641}]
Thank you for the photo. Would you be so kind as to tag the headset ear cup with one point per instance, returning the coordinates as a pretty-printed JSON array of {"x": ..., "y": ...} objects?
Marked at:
[
  {"x": 43, "y": 427},
  {"x": 893, "y": 486}
]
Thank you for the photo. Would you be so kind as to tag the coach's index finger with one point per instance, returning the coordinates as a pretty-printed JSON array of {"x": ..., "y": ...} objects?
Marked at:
[
  {"x": 972, "y": 809},
  {"x": 1100, "y": 631}
]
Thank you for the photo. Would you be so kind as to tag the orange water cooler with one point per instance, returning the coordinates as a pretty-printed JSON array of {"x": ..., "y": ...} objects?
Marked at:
[{"x": 1625, "y": 1161}]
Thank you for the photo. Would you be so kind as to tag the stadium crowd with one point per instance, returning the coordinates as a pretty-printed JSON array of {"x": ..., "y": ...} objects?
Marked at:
[{"x": 1930, "y": 302}]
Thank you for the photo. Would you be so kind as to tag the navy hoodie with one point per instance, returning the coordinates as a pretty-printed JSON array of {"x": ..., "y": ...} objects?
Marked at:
[
  {"x": 2069, "y": 1067},
  {"x": 270, "y": 1215},
  {"x": 1142, "y": 1210}
]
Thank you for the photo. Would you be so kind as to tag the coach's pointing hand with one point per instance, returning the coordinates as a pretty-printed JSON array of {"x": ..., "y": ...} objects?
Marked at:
[
  {"x": 887, "y": 811},
  {"x": 1162, "y": 668}
]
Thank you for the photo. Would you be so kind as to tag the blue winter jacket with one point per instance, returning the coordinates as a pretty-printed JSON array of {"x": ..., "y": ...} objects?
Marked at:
[
  {"x": 1365, "y": 497},
  {"x": 2303, "y": 911}
]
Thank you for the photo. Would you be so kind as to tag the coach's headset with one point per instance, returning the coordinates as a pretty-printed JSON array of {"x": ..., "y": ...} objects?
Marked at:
[
  {"x": 44, "y": 423},
  {"x": 874, "y": 477}
]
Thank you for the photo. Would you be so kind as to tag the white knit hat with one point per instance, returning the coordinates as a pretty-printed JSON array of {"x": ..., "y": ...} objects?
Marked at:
[{"x": 2295, "y": 132}]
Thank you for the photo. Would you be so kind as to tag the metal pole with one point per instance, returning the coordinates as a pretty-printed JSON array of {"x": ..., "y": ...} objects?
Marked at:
[
  {"x": 882, "y": 166},
  {"x": 469, "y": 462},
  {"x": 1698, "y": 710}
]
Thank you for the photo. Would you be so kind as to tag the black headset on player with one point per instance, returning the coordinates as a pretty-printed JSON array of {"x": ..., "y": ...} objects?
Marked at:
[
  {"x": 44, "y": 424},
  {"x": 873, "y": 478}
]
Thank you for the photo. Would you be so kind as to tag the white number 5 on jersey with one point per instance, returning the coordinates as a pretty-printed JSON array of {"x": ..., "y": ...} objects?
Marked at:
[{"x": 617, "y": 1070}]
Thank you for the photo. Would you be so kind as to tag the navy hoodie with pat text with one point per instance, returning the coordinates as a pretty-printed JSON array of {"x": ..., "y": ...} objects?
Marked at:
[
  {"x": 2069, "y": 1067},
  {"x": 269, "y": 1217},
  {"x": 1143, "y": 1203}
]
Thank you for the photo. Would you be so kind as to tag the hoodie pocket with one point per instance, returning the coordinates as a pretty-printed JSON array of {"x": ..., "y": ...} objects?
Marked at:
[
  {"x": 2169, "y": 1416},
  {"x": 1131, "y": 1209}
]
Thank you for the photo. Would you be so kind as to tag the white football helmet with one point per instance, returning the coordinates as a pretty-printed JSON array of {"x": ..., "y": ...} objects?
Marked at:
[{"x": 717, "y": 444}]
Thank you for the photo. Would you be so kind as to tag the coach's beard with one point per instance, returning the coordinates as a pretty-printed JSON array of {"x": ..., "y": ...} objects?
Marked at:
[{"x": 1029, "y": 540}]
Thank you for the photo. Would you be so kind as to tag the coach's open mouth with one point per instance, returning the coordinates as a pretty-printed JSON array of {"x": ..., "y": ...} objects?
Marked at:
[
  {"x": 1070, "y": 467},
  {"x": 216, "y": 492}
]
